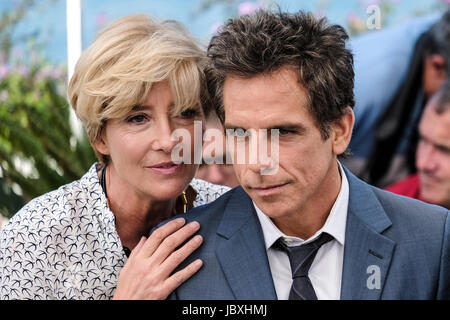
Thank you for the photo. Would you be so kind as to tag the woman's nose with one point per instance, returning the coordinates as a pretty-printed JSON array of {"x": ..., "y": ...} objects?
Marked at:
[{"x": 163, "y": 140}]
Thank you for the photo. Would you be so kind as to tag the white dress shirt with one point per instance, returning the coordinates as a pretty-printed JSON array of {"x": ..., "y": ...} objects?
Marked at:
[{"x": 326, "y": 271}]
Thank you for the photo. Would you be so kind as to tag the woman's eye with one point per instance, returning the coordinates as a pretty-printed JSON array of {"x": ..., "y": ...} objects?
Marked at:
[
  {"x": 137, "y": 118},
  {"x": 189, "y": 113}
]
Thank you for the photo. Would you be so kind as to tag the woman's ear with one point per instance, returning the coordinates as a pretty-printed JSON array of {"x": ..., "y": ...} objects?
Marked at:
[
  {"x": 342, "y": 131},
  {"x": 101, "y": 144}
]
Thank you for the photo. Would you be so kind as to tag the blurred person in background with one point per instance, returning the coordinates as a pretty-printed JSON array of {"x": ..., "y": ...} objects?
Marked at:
[
  {"x": 137, "y": 82},
  {"x": 215, "y": 168},
  {"x": 431, "y": 183},
  {"x": 396, "y": 71}
]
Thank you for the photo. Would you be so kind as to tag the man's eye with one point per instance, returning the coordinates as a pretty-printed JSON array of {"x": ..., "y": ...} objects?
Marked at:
[
  {"x": 444, "y": 150},
  {"x": 240, "y": 133},
  {"x": 284, "y": 132}
]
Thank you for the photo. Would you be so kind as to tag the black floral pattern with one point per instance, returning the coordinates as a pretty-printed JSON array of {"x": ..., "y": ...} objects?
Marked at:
[{"x": 64, "y": 244}]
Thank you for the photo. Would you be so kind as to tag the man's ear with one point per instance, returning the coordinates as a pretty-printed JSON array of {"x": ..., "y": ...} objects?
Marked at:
[{"x": 342, "y": 131}]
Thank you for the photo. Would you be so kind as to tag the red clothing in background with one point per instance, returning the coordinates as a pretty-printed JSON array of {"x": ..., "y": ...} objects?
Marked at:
[{"x": 409, "y": 187}]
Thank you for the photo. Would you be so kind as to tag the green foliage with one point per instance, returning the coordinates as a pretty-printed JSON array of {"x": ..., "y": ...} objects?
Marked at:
[
  {"x": 38, "y": 151},
  {"x": 35, "y": 134}
]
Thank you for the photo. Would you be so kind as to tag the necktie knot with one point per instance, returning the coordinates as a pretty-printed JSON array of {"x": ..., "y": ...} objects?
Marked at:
[{"x": 301, "y": 258}]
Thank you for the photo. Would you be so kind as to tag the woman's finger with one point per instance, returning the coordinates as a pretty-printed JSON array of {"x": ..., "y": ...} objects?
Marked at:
[
  {"x": 138, "y": 247},
  {"x": 181, "y": 276},
  {"x": 159, "y": 235},
  {"x": 169, "y": 244},
  {"x": 178, "y": 256}
]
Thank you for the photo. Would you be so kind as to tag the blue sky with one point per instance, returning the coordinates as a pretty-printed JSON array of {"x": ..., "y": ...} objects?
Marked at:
[{"x": 49, "y": 17}]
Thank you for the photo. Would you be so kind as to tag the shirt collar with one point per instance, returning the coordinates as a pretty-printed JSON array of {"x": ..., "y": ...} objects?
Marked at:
[{"x": 334, "y": 225}]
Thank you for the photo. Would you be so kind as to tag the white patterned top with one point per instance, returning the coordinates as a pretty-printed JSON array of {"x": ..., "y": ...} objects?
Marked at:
[{"x": 64, "y": 244}]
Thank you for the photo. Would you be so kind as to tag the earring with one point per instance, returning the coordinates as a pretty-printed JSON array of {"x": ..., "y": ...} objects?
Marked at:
[{"x": 183, "y": 196}]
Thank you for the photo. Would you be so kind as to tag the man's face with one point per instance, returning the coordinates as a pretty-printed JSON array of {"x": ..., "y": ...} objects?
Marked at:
[
  {"x": 308, "y": 173},
  {"x": 218, "y": 171},
  {"x": 434, "y": 74},
  {"x": 433, "y": 156}
]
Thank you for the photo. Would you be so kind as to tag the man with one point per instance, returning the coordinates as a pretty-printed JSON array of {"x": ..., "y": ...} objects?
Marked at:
[
  {"x": 215, "y": 168},
  {"x": 432, "y": 182},
  {"x": 393, "y": 82},
  {"x": 309, "y": 230}
]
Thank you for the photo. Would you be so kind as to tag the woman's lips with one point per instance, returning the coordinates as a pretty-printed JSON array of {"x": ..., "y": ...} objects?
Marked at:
[{"x": 165, "y": 168}]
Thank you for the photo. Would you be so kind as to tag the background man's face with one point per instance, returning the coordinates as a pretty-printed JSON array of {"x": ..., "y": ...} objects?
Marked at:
[
  {"x": 434, "y": 74},
  {"x": 278, "y": 101},
  {"x": 217, "y": 173},
  {"x": 433, "y": 156}
]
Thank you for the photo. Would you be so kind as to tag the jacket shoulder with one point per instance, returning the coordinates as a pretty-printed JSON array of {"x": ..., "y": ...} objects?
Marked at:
[
  {"x": 211, "y": 210},
  {"x": 411, "y": 211},
  {"x": 206, "y": 213}
]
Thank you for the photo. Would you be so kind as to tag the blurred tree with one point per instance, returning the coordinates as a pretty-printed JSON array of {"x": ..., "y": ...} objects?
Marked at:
[
  {"x": 38, "y": 151},
  {"x": 9, "y": 21}
]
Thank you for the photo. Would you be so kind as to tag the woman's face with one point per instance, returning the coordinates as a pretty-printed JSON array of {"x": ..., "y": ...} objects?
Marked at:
[{"x": 140, "y": 146}]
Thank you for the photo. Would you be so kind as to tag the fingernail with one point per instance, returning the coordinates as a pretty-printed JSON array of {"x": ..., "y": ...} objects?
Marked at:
[
  {"x": 194, "y": 225},
  {"x": 180, "y": 221},
  {"x": 198, "y": 238}
]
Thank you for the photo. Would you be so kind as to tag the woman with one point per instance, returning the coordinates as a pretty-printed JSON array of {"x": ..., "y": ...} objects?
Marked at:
[{"x": 136, "y": 83}]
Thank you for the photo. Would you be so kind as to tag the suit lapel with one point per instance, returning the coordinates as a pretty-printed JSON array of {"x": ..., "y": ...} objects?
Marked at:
[
  {"x": 241, "y": 251},
  {"x": 367, "y": 253}
]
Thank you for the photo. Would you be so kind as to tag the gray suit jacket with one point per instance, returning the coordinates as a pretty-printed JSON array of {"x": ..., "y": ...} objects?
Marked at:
[{"x": 395, "y": 248}]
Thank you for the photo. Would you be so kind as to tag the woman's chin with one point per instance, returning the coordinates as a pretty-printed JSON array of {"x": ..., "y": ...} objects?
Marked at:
[{"x": 169, "y": 189}]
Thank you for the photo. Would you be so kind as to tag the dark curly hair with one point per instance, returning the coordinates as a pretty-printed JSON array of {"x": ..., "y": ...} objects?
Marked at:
[{"x": 264, "y": 42}]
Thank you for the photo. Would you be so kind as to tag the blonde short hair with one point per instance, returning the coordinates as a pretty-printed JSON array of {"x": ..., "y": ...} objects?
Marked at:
[{"x": 118, "y": 69}]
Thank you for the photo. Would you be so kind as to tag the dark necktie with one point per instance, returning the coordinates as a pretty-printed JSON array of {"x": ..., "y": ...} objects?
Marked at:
[{"x": 301, "y": 258}]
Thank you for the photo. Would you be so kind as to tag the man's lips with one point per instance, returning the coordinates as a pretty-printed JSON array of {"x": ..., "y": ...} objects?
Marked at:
[
  {"x": 268, "y": 189},
  {"x": 427, "y": 178}
]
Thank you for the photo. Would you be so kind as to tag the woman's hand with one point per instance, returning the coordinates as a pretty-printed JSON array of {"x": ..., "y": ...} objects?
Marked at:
[{"x": 146, "y": 275}]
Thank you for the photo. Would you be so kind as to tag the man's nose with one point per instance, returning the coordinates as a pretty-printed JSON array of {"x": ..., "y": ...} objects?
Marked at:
[
  {"x": 256, "y": 160},
  {"x": 426, "y": 157}
]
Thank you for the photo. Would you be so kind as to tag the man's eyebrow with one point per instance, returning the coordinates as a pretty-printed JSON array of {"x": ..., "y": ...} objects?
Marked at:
[
  {"x": 289, "y": 126},
  {"x": 436, "y": 145},
  {"x": 284, "y": 126}
]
